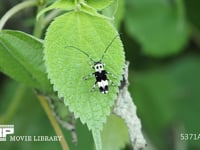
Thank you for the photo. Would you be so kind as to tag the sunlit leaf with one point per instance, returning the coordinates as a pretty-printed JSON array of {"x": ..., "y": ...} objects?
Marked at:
[
  {"x": 59, "y": 4},
  {"x": 67, "y": 66},
  {"x": 99, "y": 4},
  {"x": 116, "y": 10}
]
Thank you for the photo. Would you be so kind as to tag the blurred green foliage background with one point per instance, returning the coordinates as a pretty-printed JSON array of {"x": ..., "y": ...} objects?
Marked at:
[{"x": 162, "y": 43}]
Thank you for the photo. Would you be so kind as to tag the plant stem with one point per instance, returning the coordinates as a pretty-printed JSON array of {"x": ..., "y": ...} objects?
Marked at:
[
  {"x": 37, "y": 32},
  {"x": 45, "y": 105},
  {"x": 21, "y": 90},
  {"x": 39, "y": 24},
  {"x": 126, "y": 109},
  {"x": 51, "y": 16},
  {"x": 16, "y": 9}
]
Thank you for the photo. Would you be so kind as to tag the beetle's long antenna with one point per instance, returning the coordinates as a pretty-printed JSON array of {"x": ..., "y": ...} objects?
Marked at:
[
  {"x": 82, "y": 52},
  {"x": 106, "y": 49}
]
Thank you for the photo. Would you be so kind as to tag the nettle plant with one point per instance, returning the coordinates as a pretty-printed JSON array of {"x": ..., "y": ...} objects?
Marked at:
[{"x": 80, "y": 36}]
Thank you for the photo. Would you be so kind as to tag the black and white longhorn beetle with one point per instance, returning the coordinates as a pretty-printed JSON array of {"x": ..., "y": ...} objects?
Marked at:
[{"x": 100, "y": 74}]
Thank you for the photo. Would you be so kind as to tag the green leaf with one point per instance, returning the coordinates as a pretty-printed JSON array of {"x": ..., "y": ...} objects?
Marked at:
[
  {"x": 59, "y": 4},
  {"x": 159, "y": 25},
  {"x": 67, "y": 66},
  {"x": 99, "y": 4},
  {"x": 115, "y": 134},
  {"x": 21, "y": 58},
  {"x": 92, "y": 11},
  {"x": 70, "y": 5},
  {"x": 115, "y": 10}
]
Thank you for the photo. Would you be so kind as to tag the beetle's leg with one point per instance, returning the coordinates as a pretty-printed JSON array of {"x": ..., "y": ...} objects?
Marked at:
[
  {"x": 89, "y": 76},
  {"x": 94, "y": 87}
]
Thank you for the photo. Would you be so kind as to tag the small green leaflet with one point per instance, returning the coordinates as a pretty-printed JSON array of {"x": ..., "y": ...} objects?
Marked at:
[
  {"x": 99, "y": 4},
  {"x": 90, "y": 6},
  {"x": 66, "y": 67},
  {"x": 59, "y": 4}
]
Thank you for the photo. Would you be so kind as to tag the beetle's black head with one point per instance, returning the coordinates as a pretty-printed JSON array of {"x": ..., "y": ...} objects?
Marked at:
[{"x": 98, "y": 66}]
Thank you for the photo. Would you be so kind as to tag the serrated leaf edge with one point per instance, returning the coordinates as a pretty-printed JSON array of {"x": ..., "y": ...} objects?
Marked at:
[{"x": 61, "y": 95}]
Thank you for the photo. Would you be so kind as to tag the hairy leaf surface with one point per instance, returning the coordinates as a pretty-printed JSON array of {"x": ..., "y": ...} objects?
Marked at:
[{"x": 67, "y": 66}]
